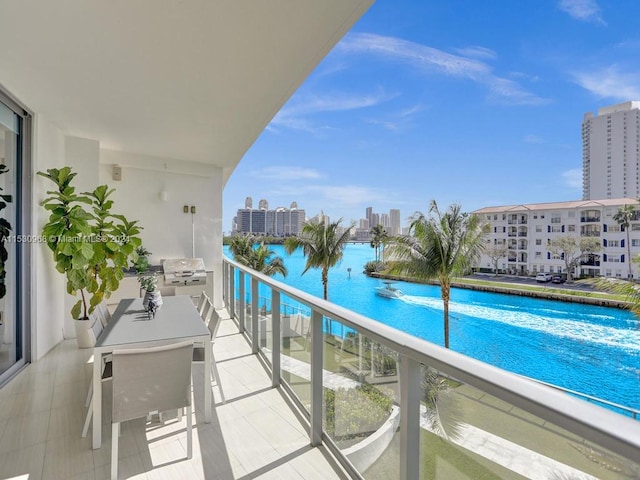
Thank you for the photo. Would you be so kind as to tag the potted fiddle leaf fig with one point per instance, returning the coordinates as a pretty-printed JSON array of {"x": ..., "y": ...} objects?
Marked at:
[{"x": 91, "y": 245}]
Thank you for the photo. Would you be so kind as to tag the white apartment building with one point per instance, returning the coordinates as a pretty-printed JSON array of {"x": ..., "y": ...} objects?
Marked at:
[
  {"x": 527, "y": 231},
  {"x": 611, "y": 152},
  {"x": 281, "y": 222}
]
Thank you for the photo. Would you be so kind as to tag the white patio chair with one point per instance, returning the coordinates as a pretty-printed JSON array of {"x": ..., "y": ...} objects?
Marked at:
[
  {"x": 155, "y": 379},
  {"x": 103, "y": 313},
  {"x": 213, "y": 319},
  {"x": 96, "y": 328},
  {"x": 201, "y": 302},
  {"x": 167, "y": 291}
]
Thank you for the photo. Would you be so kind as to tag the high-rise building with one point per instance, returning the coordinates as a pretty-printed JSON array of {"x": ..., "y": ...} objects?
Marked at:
[
  {"x": 280, "y": 222},
  {"x": 368, "y": 215},
  {"x": 385, "y": 221},
  {"x": 611, "y": 152},
  {"x": 394, "y": 218}
]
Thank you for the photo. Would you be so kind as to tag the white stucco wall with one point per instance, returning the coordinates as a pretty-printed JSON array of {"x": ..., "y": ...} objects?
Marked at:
[
  {"x": 168, "y": 231},
  {"x": 48, "y": 309}
]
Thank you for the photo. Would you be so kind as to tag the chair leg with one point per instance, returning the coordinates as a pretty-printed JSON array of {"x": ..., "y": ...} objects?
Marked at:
[
  {"x": 115, "y": 430},
  {"x": 189, "y": 433},
  {"x": 87, "y": 420},
  {"x": 89, "y": 395},
  {"x": 216, "y": 375}
]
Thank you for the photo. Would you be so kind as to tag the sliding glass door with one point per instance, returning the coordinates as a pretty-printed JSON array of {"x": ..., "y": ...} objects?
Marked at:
[{"x": 14, "y": 151}]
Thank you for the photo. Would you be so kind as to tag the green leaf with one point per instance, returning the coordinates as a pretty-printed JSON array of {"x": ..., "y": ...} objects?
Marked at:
[{"x": 76, "y": 310}]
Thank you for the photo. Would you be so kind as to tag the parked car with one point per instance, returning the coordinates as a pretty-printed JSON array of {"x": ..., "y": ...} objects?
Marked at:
[
  {"x": 557, "y": 279},
  {"x": 543, "y": 277}
]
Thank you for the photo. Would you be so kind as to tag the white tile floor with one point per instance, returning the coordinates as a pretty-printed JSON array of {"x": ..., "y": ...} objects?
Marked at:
[{"x": 253, "y": 435}]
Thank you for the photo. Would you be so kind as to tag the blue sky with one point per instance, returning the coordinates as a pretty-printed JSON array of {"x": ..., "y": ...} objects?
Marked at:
[{"x": 462, "y": 101}]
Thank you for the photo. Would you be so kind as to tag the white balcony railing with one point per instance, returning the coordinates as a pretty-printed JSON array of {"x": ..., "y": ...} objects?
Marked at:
[{"x": 528, "y": 423}]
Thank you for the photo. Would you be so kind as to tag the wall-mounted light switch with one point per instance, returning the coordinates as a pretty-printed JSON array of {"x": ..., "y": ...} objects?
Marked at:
[
  {"x": 185, "y": 209},
  {"x": 193, "y": 209}
]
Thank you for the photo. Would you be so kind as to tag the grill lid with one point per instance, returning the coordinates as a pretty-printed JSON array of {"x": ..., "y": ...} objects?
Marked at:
[{"x": 183, "y": 267}]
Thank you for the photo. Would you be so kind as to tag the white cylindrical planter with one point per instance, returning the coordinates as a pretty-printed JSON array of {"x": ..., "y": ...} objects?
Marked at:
[
  {"x": 157, "y": 298},
  {"x": 84, "y": 334}
]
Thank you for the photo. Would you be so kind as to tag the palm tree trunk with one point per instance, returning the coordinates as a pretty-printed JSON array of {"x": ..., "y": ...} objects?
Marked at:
[
  {"x": 325, "y": 283},
  {"x": 445, "y": 291}
]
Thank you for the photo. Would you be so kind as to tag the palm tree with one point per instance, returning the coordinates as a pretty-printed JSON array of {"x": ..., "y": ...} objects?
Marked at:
[
  {"x": 378, "y": 236},
  {"x": 241, "y": 246},
  {"x": 441, "y": 246},
  {"x": 322, "y": 244},
  {"x": 261, "y": 259},
  {"x": 623, "y": 217}
]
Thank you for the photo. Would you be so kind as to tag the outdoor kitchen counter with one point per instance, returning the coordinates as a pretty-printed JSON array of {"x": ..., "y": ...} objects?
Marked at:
[{"x": 130, "y": 288}]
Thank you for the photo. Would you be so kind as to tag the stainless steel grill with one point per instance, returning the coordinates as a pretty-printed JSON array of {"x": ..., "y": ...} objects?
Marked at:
[{"x": 184, "y": 272}]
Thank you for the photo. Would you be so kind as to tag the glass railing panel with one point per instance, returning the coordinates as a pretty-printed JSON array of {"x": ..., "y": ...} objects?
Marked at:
[
  {"x": 295, "y": 324},
  {"x": 468, "y": 434},
  {"x": 265, "y": 324},
  {"x": 361, "y": 412}
]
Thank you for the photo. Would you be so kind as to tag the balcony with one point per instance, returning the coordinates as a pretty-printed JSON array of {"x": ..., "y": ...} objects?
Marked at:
[
  {"x": 590, "y": 219},
  {"x": 276, "y": 369},
  {"x": 43, "y": 412},
  {"x": 331, "y": 348}
]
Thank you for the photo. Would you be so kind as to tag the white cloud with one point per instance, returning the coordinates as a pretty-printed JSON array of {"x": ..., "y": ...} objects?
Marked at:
[
  {"x": 573, "y": 178},
  {"x": 343, "y": 195},
  {"x": 295, "y": 115},
  {"x": 286, "y": 172},
  {"x": 610, "y": 82},
  {"x": 348, "y": 195},
  {"x": 583, "y": 10},
  {"x": 433, "y": 60},
  {"x": 398, "y": 121},
  {"x": 477, "y": 52}
]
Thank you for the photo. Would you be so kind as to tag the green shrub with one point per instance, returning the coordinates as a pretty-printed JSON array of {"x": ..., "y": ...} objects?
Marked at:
[
  {"x": 374, "y": 266},
  {"x": 355, "y": 413}
]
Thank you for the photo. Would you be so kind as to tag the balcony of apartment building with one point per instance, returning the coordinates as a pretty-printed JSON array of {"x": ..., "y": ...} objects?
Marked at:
[
  {"x": 314, "y": 348},
  {"x": 512, "y": 219},
  {"x": 512, "y": 232},
  {"x": 523, "y": 245},
  {"x": 163, "y": 119},
  {"x": 590, "y": 231},
  {"x": 590, "y": 216},
  {"x": 522, "y": 220},
  {"x": 591, "y": 260},
  {"x": 522, "y": 231},
  {"x": 523, "y": 258}
]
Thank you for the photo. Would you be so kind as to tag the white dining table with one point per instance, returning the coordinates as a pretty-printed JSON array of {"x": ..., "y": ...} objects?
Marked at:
[{"x": 130, "y": 326}]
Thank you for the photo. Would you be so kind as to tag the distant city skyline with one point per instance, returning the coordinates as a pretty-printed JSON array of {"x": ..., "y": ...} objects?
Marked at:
[{"x": 464, "y": 102}]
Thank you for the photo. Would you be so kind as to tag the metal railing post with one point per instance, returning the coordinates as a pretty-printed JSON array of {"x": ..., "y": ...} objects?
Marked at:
[
  {"x": 241, "y": 305},
  {"x": 317, "y": 342},
  {"x": 231, "y": 289},
  {"x": 255, "y": 338},
  {"x": 410, "y": 392},
  {"x": 275, "y": 338},
  {"x": 225, "y": 267}
]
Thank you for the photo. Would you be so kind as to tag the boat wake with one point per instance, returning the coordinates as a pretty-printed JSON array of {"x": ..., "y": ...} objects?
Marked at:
[{"x": 582, "y": 331}]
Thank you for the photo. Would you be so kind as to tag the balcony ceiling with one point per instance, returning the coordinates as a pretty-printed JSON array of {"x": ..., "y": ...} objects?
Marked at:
[{"x": 194, "y": 80}]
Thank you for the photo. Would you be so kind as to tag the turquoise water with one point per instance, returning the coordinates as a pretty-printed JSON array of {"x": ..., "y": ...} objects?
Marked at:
[{"x": 593, "y": 350}]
